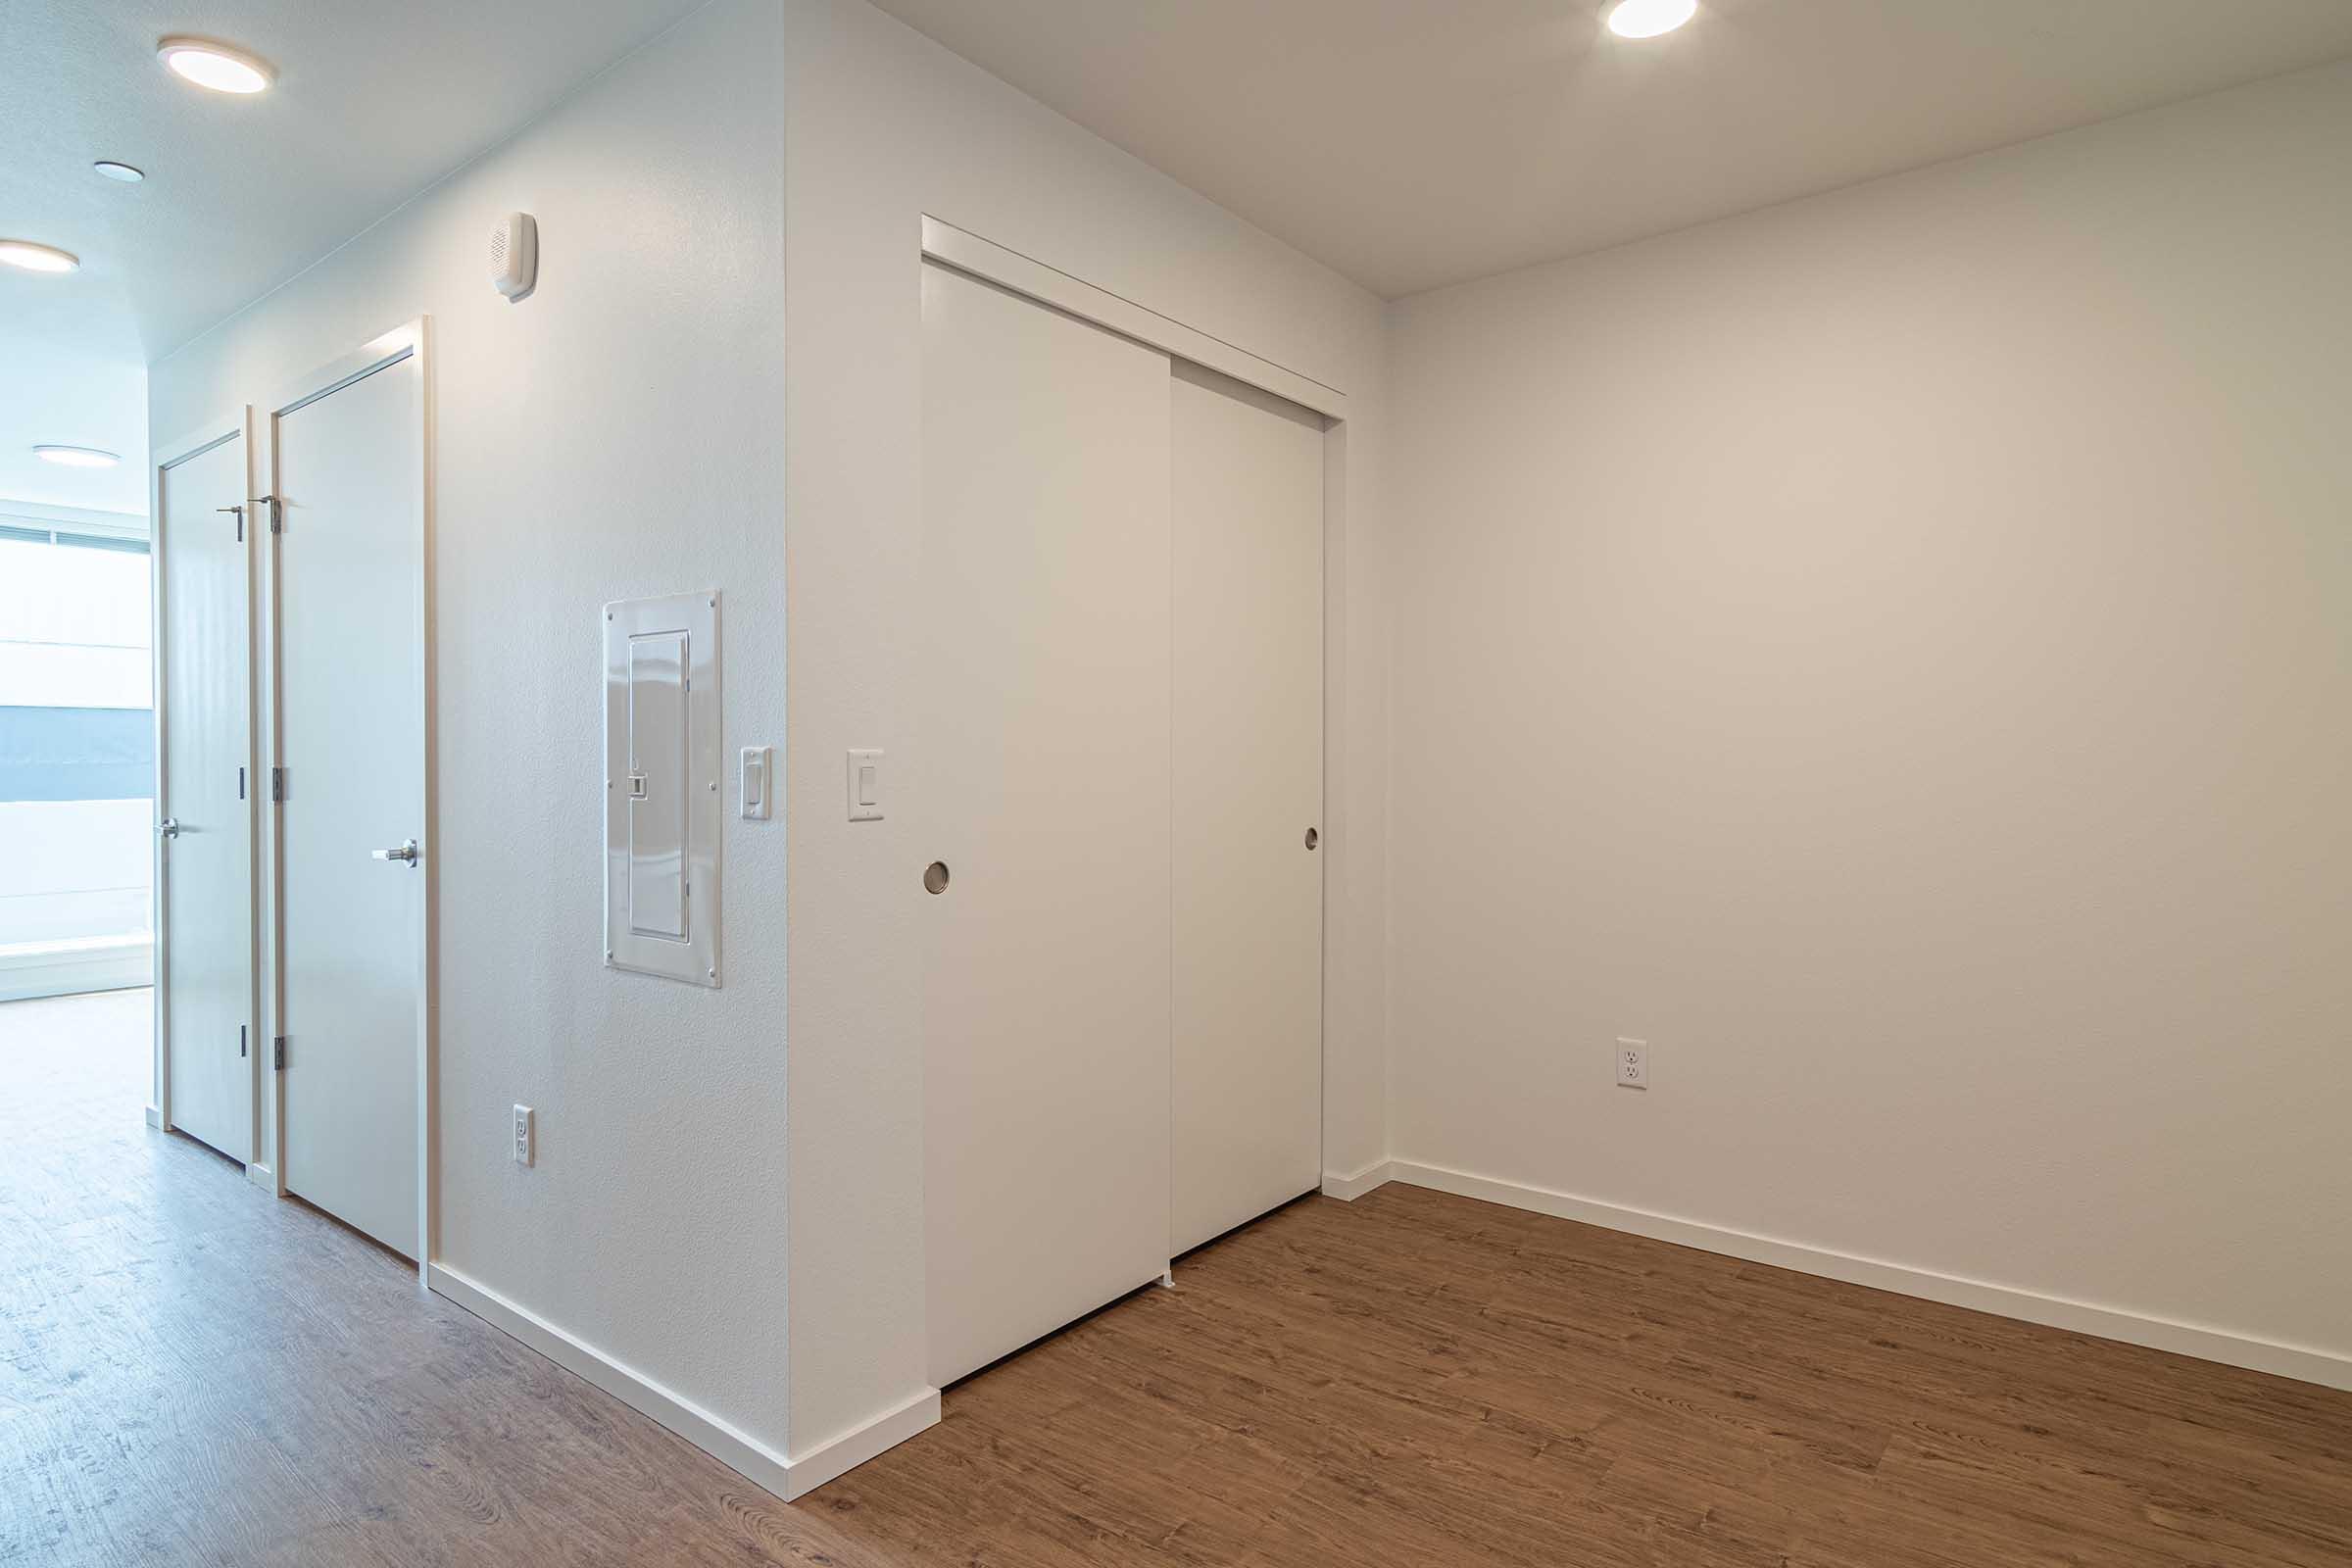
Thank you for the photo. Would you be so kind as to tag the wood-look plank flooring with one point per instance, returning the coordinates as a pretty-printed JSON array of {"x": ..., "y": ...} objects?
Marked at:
[{"x": 191, "y": 1372}]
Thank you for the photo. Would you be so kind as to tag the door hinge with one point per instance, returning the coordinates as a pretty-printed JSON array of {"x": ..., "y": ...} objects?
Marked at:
[
  {"x": 241, "y": 783},
  {"x": 277, "y": 1054},
  {"x": 277, "y": 783},
  {"x": 240, "y": 1040}
]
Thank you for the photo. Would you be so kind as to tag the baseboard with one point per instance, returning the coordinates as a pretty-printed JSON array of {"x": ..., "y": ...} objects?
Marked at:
[
  {"x": 749, "y": 1457},
  {"x": 261, "y": 1176},
  {"x": 738, "y": 1451},
  {"x": 30, "y": 970},
  {"x": 1348, "y": 1189},
  {"x": 155, "y": 1117},
  {"x": 839, "y": 1455},
  {"x": 2302, "y": 1362}
]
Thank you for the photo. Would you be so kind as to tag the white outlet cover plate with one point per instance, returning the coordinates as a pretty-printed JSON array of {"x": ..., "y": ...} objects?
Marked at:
[{"x": 1632, "y": 1063}]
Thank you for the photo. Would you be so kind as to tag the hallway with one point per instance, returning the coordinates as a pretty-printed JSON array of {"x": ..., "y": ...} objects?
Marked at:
[{"x": 192, "y": 1372}]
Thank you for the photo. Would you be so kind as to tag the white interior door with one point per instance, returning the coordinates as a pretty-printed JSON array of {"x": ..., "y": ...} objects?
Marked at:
[
  {"x": 350, "y": 583},
  {"x": 203, "y": 587},
  {"x": 1247, "y": 959},
  {"x": 1042, "y": 779}
]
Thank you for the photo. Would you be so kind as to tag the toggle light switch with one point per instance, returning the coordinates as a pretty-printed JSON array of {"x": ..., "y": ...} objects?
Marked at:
[{"x": 866, "y": 786}]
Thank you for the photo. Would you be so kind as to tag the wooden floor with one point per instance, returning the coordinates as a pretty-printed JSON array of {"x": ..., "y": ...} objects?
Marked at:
[{"x": 191, "y": 1372}]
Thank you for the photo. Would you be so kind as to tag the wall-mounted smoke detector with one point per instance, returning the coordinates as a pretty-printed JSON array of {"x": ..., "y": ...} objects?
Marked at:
[{"x": 514, "y": 254}]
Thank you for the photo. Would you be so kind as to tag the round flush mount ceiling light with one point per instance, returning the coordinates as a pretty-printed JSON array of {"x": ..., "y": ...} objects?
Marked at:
[
  {"x": 214, "y": 65},
  {"x": 34, "y": 258},
  {"x": 77, "y": 457},
  {"x": 1647, "y": 19},
  {"x": 122, "y": 171}
]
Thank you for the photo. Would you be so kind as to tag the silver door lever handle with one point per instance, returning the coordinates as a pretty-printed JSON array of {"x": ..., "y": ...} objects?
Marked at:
[
  {"x": 406, "y": 854},
  {"x": 169, "y": 827}
]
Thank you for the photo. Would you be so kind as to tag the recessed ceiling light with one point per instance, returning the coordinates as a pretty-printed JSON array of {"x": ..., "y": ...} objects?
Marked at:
[
  {"x": 122, "y": 171},
  {"x": 77, "y": 457},
  {"x": 1647, "y": 19},
  {"x": 37, "y": 258},
  {"x": 214, "y": 65}
]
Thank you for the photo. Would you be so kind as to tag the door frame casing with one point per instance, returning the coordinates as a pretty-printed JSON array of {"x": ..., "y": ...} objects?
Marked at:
[
  {"x": 408, "y": 341},
  {"x": 234, "y": 424}
]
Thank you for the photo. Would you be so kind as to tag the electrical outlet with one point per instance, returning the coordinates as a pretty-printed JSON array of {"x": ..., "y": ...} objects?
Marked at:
[
  {"x": 1632, "y": 1063},
  {"x": 522, "y": 1135}
]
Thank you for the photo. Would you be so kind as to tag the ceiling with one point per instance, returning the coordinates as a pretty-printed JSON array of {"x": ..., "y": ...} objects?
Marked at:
[
  {"x": 1414, "y": 143},
  {"x": 373, "y": 101}
]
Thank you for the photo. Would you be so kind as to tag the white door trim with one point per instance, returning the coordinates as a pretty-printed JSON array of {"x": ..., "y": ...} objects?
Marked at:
[
  {"x": 231, "y": 424},
  {"x": 406, "y": 341},
  {"x": 968, "y": 252}
]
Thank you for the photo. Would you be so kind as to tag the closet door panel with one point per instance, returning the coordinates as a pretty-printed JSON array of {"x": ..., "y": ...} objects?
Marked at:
[
  {"x": 1248, "y": 756},
  {"x": 1042, "y": 780}
]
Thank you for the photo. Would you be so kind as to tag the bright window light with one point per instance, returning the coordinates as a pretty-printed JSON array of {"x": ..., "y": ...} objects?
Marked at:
[
  {"x": 77, "y": 457},
  {"x": 1647, "y": 19},
  {"x": 37, "y": 258},
  {"x": 214, "y": 65}
]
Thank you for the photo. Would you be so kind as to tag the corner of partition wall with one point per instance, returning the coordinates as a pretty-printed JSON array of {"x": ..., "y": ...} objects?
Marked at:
[
  {"x": 1348, "y": 1189},
  {"x": 838, "y": 1456}
]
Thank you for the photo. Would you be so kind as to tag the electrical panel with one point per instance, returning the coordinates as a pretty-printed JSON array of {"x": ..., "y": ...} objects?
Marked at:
[{"x": 661, "y": 786}]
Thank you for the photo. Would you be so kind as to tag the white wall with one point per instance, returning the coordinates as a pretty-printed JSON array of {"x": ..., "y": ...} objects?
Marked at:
[
  {"x": 618, "y": 432},
  {"x": 1904, "y": 641},
  {"x": 884, "y": 126}
]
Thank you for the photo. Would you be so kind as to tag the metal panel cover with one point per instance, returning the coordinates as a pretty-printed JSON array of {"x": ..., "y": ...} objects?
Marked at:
[{"x": 662, "y": 795}]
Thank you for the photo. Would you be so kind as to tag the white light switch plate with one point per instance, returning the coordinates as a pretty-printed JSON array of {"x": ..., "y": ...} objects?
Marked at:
[
  {"x": 755, "y": 781},
  {"x": 866, "y": 786}
]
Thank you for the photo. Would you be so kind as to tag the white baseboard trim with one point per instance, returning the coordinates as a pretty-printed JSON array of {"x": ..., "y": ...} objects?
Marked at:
[
  {"x": 155, "y": 1117},
  {"x": 749, "y": 1457},
  {"x": 261, "y": 1176},
  {"x": 32, "y": 969},
  {"x": 2303, "y": 1362},
  {"x": 1348, "y": 1189},
  {"x": 839, "y": 1455},
  {"x": 738, "y": 1451}
]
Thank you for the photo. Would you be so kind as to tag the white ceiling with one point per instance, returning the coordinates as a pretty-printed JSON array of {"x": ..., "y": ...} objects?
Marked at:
[
  {"x": 375, "y": 100},
  {"x": 1414, "y": 143}
]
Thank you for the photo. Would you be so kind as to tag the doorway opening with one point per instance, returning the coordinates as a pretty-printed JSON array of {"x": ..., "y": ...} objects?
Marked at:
[{"x": 76, "y": 754}]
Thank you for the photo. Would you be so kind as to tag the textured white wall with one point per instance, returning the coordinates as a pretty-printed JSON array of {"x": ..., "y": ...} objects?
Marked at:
[
  {"x": 1892, "y": 653},
  {"x": 884, "y": 126},
  {"x": 620, "y": 433}
]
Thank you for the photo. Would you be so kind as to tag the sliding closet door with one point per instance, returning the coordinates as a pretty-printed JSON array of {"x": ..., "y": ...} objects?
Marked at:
[
  {"x": 1041, "y": 795},
  {"x": 1248, "y": 958}
]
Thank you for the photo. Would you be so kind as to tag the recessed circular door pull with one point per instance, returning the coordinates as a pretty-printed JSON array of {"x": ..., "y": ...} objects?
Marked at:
[
  {"x": 1311, "y": 840},
  {"x": 935, "y": 877}
]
